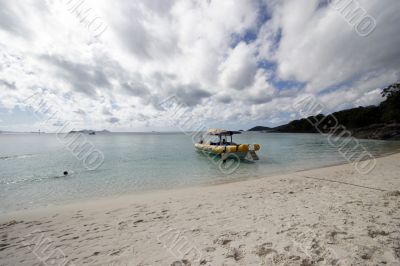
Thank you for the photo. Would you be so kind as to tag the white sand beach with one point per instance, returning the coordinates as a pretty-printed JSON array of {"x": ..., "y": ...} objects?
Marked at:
[{"x": 328, "y": 216}]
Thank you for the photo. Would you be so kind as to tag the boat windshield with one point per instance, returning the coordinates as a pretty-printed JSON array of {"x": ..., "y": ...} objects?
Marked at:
[
  {"x": 219, "y": 137},
  {"x": 213, "y": 140},
  {"x": 216, "y": 140}
]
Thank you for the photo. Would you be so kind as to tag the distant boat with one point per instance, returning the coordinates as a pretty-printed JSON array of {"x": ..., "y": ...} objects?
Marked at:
[
  {"x": 92, "y": 133},
  {"x": 224, "y": 147}
]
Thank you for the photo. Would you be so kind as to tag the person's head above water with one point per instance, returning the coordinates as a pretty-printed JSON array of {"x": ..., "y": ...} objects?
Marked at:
[{"x": 65, "y": 173}]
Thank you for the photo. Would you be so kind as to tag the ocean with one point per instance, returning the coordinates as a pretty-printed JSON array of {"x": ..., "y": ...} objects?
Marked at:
[{"x": 32, "y": 165}]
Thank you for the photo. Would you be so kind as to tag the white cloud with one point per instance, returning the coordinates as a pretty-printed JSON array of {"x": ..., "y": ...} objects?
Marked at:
[
  {"x": 153, "y": 49},
  {"x": 319, "y": 47},
  {"x": 239, "y": 68}
]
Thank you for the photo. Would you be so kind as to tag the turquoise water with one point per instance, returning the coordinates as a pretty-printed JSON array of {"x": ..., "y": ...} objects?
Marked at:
[{"x": 31, "y": 165}]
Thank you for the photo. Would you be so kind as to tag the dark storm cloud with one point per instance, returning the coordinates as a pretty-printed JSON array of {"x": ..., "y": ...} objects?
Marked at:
[
  {"x": 58, "y": 124},
  {"x": 258, "y": 99},
  {"x": 224, "y": 99},
  {"x": 160, "y": 78},
  {"x": 83, "y": 78},
  {"x": 191, "y": 95},
  {"x": 112, "y": 120},
  {"x": 105, "y": 111},
  {"x": 160, "y": 7},
  {"x": 188, "y": 95},
  {"x": 80, "y": 112},
  {"x": 135, "y": 37},
  {"x": 10, "y": 85},
  {"x": 136, "y": 89},
  {"x": 322, "y": 4}
]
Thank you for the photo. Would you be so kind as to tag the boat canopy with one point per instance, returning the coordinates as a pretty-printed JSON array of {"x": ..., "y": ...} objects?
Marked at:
[{"x": 222, "y": 132}]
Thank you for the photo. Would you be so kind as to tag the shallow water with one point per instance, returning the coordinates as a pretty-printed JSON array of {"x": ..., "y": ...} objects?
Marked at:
[{"x": 31, "y": 165}]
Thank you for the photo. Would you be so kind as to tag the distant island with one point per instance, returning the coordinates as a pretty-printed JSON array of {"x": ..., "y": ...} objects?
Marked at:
[
  {"x": 89, "y": 131},
  {"x": 371, "y": 122},
  {"x": 260, "y": 128}
]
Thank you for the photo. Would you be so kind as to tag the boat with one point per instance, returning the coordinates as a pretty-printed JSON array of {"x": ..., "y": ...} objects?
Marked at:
[
  {"x": 92, "y": 133},
  {"x": 220, "y": 142}
]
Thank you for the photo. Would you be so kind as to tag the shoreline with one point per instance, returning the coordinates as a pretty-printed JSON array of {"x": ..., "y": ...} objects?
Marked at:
[
  {"x": 324, "y": 216},
  {"x": 200, "y": 185}
]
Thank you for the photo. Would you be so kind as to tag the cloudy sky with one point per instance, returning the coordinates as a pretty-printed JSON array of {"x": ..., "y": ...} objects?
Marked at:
[{"x": 235, "y": 64}]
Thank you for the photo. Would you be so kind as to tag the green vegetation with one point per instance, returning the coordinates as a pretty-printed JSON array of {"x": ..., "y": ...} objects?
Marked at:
[
  {"x": 379, "y": 122},
  {"x": 259, "y": 128},
  {"x": 391, "y": 106},
  {"x": 387, "y": 112}
]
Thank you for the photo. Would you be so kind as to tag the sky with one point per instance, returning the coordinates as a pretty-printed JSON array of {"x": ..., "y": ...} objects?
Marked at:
[{"x": 100, "y": 64}]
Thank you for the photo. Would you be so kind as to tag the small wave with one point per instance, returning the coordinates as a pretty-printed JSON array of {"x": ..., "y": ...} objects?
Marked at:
[
  {"x": 12, "y": 157},
  {"x": 62, "y": 176},
  {"x": 21, "y": 180},
  {"x": 32, "y": 179}
]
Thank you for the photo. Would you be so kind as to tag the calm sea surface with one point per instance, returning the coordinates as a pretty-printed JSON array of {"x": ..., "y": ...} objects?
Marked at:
[{"x": 32, "y": 165}]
